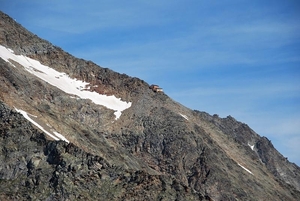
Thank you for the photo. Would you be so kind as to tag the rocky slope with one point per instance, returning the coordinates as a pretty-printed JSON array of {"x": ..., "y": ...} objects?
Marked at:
[{"x": 156, "y": 150}]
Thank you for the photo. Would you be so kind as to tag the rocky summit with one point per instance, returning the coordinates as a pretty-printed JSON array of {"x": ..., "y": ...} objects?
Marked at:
[{"x": 72, "y": 130}]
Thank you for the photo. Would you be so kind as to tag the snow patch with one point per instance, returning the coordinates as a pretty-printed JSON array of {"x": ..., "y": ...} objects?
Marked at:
[
  {"x": 56, "y": 136},
  {"x": 65, "y": 83},
  {"x": 60, "y": 136},
  {"x": 245, "y": 169},
  {"x": 184, "y": 116},
  {"x": 10, "y": 50},
  {"x": 251, "y": 146}
]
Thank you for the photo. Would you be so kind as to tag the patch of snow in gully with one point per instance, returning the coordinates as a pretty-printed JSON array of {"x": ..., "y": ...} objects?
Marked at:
[
  {"x": 184, "y": 116},
  {"x": 251, "y": 146},
  {"x": 245, "y": 168},
  {"x": 58, "y": 135},
  {"x": 64, "y": 82}
]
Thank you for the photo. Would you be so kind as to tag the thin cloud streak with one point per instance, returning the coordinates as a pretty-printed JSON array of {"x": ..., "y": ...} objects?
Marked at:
[
  {"x": 102, "y": 16},
  {"x": 242, "y": 90}
]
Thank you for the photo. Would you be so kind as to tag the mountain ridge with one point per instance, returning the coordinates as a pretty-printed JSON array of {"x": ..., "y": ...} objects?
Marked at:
[{"x": 155, "y": 144}]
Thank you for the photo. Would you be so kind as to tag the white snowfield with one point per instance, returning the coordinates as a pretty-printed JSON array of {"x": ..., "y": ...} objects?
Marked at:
[
  {"x": 56, "y": 136},
  {"x": 64, "y": 82}
]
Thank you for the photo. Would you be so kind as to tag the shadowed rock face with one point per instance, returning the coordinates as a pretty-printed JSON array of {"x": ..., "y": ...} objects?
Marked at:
[
  {"x": 35, "y": 168},
  {"x": 157, "y": 149}
]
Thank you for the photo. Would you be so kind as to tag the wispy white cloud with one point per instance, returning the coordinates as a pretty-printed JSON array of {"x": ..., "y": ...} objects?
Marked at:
[
  {"x": 79, "y": 18},
  {"x": 259, "y": 90},
  {"x": 206, "y": 46}
]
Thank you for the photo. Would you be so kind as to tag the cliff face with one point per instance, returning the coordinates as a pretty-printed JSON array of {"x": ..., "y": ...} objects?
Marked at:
[
  {"x": 35, "y": 168},
  {"x": 138, "y": 145}
]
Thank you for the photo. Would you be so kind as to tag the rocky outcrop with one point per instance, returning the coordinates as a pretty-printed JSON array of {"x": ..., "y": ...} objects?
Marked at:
[
  {"x": 260, "y": 148},
  {"x": 34, "y": 168}
]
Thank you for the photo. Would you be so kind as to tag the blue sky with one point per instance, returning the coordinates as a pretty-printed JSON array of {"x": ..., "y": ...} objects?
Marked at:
[{"x": 238, "y": 58}]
